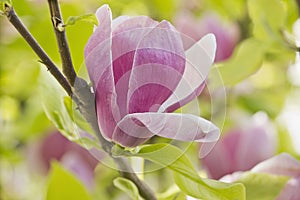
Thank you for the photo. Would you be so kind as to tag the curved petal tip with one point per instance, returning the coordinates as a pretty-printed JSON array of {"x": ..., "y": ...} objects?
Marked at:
[
  {"x": 209, "y": 43},
  {"x": 104, "y": 9}
]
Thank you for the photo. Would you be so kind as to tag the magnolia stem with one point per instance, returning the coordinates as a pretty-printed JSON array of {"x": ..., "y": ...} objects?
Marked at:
[
  {"x": 65, "y": 55},
  {"x": 80, "y": 93},
  {"x": 16, "y": 22},
  {"x": 88, "y": 111}
]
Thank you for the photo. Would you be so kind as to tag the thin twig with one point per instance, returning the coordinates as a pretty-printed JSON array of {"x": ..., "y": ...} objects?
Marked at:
[
  {"x": 16, "y": 22},
  {"x": 57, "y": 21},
  {"x": 83, "y": 97}
]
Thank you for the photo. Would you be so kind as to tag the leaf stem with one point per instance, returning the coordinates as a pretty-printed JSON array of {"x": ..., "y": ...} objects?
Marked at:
[{"x": 58, "y": 26}]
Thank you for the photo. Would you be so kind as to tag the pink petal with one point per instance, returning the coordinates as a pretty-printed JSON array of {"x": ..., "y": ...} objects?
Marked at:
[
  {"x": 98, "y": 61},
  {"x": 119, "y": 20},
  {"x": 227, "y": 35},
  {"x": 101, "y": 36},
  {"x": 106, "y": 104},
  {"x": 239, "y": 150},
  {"x": 77, "y": 165},
  {"x": 291, "y": 190},
  {"x": 158, "y": 66},
  {"x": 199, "y": 59},
  {"x": 283, "y": 164},
  {"x": 139, "y": 127},
  {"x": 221, "y": 161},
  {"x": 254, "y": 146},
  {"x": 102, "y": 31},
  {"x": 126, "y": 35}
]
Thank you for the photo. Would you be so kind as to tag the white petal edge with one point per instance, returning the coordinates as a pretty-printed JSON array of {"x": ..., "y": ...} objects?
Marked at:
[
  {"x": 183, "y": 127},
  {"x": 199, "y": 59},
  {"x": 282, "y": 164}
]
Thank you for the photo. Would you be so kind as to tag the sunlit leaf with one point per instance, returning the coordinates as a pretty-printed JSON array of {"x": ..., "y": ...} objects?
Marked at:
[
  {"x": 246, "y": 60},
  {"x": 229, "y": 8},
  {"x": 162, "y": 9},
  {"x": 172, "y": 193},
  {"x": 263, "y": 100},
  {"x": 75, "y": 115},
  {"x": 186, "y": 177},
  {"x": 268, "y": 17},
  {"x": 262, "y": 186},
  {"x": 52, "y": 96},
  {"x": 128, "y": 187},
  {"x": 90, "y": 18},
  {"x": 64, "y": 185},
  {"x": 4, "y": 3},
  {"x": 58, "y": 108}
]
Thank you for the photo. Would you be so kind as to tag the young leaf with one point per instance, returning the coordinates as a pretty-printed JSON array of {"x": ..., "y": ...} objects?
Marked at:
[
  {"x": 173, "y": 193},
  {"x": 268, "y": 17},
  {"x": 3, "y": 4},
  {"x": 64, "y": 185},
  {"x": 90, "y": 18},
  {"x": 262, "y": 186},
  {"x": 52, "y": 96},
  {"x": 292, "y": 13},
  {"x": 128, "y": 187},
  {"x": 58, "y": 109},
  {"x": 186, "y": 176},
  {"x": 246, "y": 60}
]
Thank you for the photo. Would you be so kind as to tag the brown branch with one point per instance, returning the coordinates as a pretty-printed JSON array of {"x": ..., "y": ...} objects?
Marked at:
[
  {"x": 16, "y": 22},
  {"x": 57, "y": 21}
]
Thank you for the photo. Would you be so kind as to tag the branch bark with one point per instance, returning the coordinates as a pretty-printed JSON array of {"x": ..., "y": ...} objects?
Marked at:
[{"x": 65, "y": 55}]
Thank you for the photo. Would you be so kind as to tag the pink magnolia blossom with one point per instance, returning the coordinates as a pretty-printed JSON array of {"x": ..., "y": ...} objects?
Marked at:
[
  {"x": 72, "y": 156},
  {"x": 240, "y": 150},
  {"x": 227, "y": 35},
  {"x": 140, "y": 73},
  {"x": 282, "y": 165}
]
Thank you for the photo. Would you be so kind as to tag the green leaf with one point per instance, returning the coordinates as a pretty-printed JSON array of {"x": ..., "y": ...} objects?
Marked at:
[
  {"x": 245, "y": 61},
  {"x": 262, "y": 186},
  {"x": 90, "y": 18},
  {"x": 64, "y": 185},
  {"x": 268, "y": 17},
  {"x": 186, "y": 177},
  {"x": 210, "y": 189},
  {"x": 234, "y": 9},
  {"x": 128, "y": 187},
  {"x": 171, "y": 194},
  {"x": 52, "y": 97},
  {"x": 4, "y": 3},
  {"x": 162, "y": 9},
  {"x": 292, "y": 13},
  {"x": 263, "y": 100},
  {"x": 75, "y": 115},
  {"x": 58, "y": 108}
]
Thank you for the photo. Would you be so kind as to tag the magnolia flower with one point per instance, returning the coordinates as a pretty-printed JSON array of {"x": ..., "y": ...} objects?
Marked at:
[
  {"x": 242, "y": 148},
  {"x": 282, "y": 165},
  {"x": 72, "y": 156},
  {"x": 140, "y": 73},
  {"x": 227, "y": 35}
]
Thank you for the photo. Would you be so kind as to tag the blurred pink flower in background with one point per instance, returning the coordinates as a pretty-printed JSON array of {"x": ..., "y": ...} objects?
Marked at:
[
  {"x": 140, "y": 73},
  {"x": 72, "y": 156},
  {"x": 227, "y": 34},
  {"x": 240, "y": 149},
  {"x": 281, "y": 165}
]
